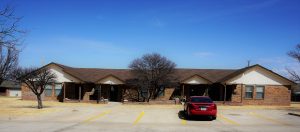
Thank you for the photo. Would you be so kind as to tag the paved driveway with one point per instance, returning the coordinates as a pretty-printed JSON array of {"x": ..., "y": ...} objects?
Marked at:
[{"x": 117, "y": 117}]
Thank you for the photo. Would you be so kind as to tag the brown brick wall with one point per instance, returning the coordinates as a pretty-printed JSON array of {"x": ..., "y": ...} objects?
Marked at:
[
  {"x": 167, "y": 95},
  {"x": 27, "y": 94},
  {"x": 130, "y": 94},
  {"x": 281, "y": 95},
  {"x": 236, "y": 95},
  {"x": 274, "y": 95}
]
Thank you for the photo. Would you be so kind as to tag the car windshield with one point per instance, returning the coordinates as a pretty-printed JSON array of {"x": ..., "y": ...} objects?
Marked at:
[{"x": 201, "y": 100}]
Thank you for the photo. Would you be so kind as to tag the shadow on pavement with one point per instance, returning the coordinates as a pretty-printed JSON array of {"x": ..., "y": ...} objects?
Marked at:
[
  {"x": 29, "y": 106},
  {"x": 183, "y": 116}
]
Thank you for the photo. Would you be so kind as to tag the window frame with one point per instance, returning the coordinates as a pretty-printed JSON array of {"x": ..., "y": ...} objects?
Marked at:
[
  {"x": 51, "y": 89},
  {"x": 252, "y": 95},
  {"x": 162, "y": 92},
  {"x": 263, "y": 91},
  {"x": 57, "y": 89}
]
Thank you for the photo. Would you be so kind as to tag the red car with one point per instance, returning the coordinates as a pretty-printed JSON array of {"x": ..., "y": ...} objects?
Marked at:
[{"x": 200, "y": 105}]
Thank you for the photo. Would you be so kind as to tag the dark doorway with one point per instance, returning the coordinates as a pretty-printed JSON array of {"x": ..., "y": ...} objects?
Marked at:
[
  {"x": 229, "y": 91},
  {"x": 197, "y": 90},
  {"x": 113, "y": 94},
  {"x": 216, "y": 92},
  {"x": 3, "y": 91}
]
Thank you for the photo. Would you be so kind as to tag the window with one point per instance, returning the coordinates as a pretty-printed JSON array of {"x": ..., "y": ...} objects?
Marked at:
[
  {"x": 201, "y": 100},
  {"x": 144, "y": 92},
  {"x": 260, "y": 92},
  {"x": 161, "y": 92},
  {"x": 249, "y": 92},
  {"x": 48, "y": 90},
  {"x": 58, "y": 88}
]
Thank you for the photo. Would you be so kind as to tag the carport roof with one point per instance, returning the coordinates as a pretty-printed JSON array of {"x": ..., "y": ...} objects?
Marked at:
[
  {"x": 10, "y": 84},
  {"x": 212, "y": 75}
]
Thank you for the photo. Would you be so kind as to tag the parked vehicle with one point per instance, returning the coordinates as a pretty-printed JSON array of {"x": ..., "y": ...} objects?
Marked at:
[{"x": 200, "y": 106}]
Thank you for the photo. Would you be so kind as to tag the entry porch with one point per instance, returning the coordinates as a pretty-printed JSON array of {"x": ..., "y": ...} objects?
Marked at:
[
  {"x": 216, "y": 91},
  {"x": 199, "y": 86},
  {"x": 91, "y": 92}
]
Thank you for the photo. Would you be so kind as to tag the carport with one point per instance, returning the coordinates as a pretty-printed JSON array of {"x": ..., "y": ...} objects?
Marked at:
[
  {"x": 199, "y": 86},
  {"x": 111, "y": 88},
  {"x": 74, "y": 91},
  {"x": 194, "y": 86},
  {"x": 220, "y": 92}
]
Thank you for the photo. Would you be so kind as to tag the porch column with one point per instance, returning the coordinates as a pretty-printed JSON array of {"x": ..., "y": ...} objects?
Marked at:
[
  {"x": 64, "y": 87},
  {"x": 242, "y": 92},
  {"x": 121, "y": 89},
  {"x": 225, "y": 87},
  {"x": 182, "y": 90},
  {"x": 99, "y": 93},
  {"x": 206, "y": 90},
  {"x": 53, "y": 89},
  {"x": 79, "y": 93},
  {"x": 221, "y": 92}
]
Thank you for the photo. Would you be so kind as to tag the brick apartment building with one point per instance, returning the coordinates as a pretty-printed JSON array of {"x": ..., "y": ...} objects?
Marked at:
[{"x": 253, "y": 85}]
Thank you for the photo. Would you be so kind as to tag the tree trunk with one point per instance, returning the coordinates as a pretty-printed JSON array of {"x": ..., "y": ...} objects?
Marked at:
[
  {"x": 155, "y": 93},
  {"x": 1, "y": 80},
  {"x": 150, "y": 93},
  {"x": 138, "y": 95},
  {"x": 39, "y": 100}
]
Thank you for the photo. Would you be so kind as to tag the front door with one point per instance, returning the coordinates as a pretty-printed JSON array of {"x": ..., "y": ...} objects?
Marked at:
[{"x": 113, "y": 95}]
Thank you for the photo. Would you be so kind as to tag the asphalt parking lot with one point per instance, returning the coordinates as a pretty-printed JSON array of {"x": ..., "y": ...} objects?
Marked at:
[{"x": 118, "y": 117}]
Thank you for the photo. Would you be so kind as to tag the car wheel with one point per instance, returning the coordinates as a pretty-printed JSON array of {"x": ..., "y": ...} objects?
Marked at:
[
  {"x": 213, "y": 117},
  {"x": 188, "y": 114}
]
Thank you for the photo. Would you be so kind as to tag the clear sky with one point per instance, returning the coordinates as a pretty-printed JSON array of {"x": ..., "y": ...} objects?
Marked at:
[{"x": 192, "y": 33}]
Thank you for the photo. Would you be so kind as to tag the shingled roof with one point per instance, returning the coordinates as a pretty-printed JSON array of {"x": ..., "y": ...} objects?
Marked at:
[
  {"x": 95, "y": 74},
  {"x": 212, "y": 75}
]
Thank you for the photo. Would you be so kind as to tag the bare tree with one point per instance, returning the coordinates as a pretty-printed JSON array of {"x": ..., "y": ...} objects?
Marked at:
[
  {"x": 295, "y": 54},
  {"x": 36, "y": 80},
  {"x": 10, "y": 40},
  {"x": 154, "y": 72}
]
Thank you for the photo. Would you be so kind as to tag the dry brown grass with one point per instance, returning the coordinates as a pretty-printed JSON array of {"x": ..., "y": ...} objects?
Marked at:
[{"x": 17, "y": 107}]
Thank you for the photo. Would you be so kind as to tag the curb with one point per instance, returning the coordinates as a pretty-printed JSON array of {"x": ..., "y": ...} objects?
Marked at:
[{"x": 294, "y": 114}]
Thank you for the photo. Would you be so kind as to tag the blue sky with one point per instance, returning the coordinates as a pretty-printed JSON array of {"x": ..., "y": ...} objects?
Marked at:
[{"x": 192, "y": 33}]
